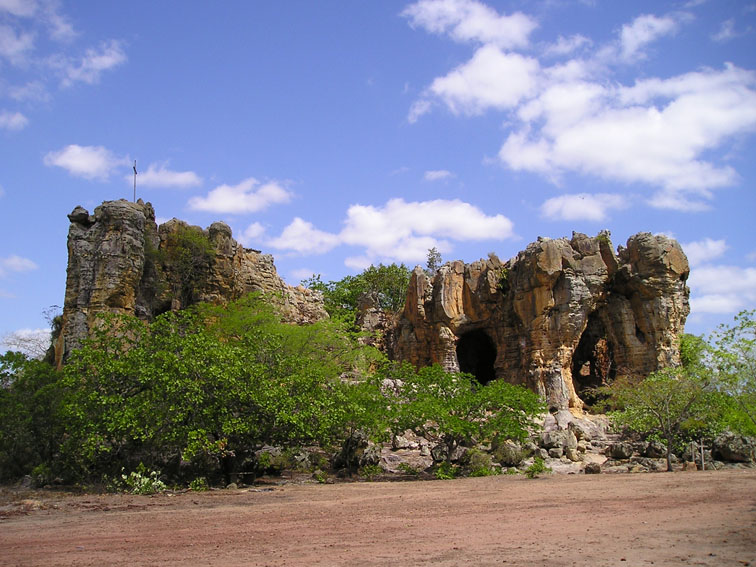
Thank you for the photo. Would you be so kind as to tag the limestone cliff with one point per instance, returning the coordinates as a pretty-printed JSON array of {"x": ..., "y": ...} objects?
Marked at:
[
  {"x": 120, "y": 261},
  {"x": 561, "y": 317}
]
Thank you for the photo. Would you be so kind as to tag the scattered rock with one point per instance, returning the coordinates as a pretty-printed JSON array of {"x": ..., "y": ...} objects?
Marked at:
[
  {"x": 734, "y": 448},
  {"x": 592, "y": 468},
  {"x": 621, "y": 450}
]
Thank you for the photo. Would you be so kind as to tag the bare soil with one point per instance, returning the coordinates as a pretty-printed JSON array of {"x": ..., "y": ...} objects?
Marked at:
[{"x": 693, "y": 518}]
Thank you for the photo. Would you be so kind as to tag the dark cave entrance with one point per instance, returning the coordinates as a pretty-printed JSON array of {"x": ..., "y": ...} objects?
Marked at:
[
  {"x": 593, "y": 361},
  {"x": 476, "y": 354}
]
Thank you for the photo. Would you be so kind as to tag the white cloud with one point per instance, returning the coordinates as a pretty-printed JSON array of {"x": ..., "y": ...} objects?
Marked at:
[
  {"x": 722, "y": 289},
  {"x": 654, "y": 132},
  {"x": 12, "y": 120},
  {"x": 726, "y": 31},
  {"x": 405, "y": 231},
  {"x": 437, "y": 175},
  {"x": 302, "y": 274},
  {"x": 702, "y": 251},
  {"x": 246, "y": 197},
  {"x": 89, "y": 162},
  {"x": 16, "y": 264},
  {"x": 157, "y": 175},
  {"x": 567, "y": 45},
  {"x": 302, "y": 237},
  {"x": 252, "y": 233},
  {"x": 15, "y": 46},
  {"x": 20, "y": 8},
  {"x": 469, "y": 20},
  {"x": 582, "y": 206},
  {"x": 491, "y": 79},
  {"x": 31, "y": 91},
  {"x": 398, "y": 231},
  {"x": 642, "y": 31},
  {"x": 88, "y": 68}
]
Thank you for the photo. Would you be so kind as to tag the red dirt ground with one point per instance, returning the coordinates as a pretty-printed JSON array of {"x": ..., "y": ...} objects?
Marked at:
[{"x": 695, "y": 518}]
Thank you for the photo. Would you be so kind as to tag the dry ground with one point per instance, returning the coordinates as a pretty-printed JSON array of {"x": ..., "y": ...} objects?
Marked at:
[{"x": 695, "y": 518}]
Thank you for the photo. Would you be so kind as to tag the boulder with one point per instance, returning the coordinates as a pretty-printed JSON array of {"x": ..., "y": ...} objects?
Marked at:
[
  {"x": 733, "y": 448},
  {"x": 655, "y": 450},
  {"x": 620, "y": 451},
  {"x": 356, "y": 452},
  {"x": 592, "y": 468}
]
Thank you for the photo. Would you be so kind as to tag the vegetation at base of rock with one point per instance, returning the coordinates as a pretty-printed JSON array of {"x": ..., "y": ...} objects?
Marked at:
[
  {"x": 713, "y": 390},
  {"x": 190, "y": 253},
  {"x": 446, "y": 471},
  {"x": 387, "y": 283},
  {"x": 456, "y": 408},
  {"x": 538, "y": 467}
]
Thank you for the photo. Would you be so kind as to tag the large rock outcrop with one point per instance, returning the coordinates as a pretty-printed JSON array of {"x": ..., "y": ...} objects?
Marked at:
[
  {"x": 562, "y": 317},
  {"x": 120, "y": 261}
]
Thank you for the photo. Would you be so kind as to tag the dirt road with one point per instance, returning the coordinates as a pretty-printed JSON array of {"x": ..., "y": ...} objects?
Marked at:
[{"x": 696, "y": 518}]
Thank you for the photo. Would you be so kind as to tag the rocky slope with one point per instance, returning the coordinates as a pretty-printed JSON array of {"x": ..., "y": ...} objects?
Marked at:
[
  {"x": 562, "y": 317},
  {"x": 120, "y": 261}
]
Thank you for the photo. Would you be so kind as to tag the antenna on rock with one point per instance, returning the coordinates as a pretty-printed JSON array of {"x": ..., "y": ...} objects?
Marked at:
[{"x": 135, "y": 174}]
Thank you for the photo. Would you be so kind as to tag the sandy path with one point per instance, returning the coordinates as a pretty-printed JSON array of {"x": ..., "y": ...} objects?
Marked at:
[{"x": 696, "y": 518}]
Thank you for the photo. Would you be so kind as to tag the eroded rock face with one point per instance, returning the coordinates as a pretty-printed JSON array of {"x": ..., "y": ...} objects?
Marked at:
[
  {"x": 562, "y": 317},
  {"x": 119, "y": 261}
]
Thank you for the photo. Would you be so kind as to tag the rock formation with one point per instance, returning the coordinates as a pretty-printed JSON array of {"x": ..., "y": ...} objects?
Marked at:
[
  {"x": 562, "y": 317},
  {"x": 120, "y": 261}
]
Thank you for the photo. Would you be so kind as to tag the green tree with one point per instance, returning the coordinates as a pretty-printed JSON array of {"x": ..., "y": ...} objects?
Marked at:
[
  {"x": 189, "y": 253},
  {"x": 433, "y": 262},
  {"x": 672, "y": 404},
  {"x": 30, "y": 426},
  {"x": 457, "y": 408},
  {"x": 733, "y": 360},
  {"x": 198, "y": 391},
  {"x": 387, "y": 283}
]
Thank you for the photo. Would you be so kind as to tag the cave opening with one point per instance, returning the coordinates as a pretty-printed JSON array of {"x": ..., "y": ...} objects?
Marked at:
[
  {"x": 593, "y": 361},
  {"x": 476, "y": 354}
]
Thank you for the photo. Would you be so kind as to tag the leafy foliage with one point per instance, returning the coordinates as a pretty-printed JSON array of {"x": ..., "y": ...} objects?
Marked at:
[
  {"x": 433, "y": 262},
  {"x": 387, "y": 283},
  {"x": 457, "y": 408},
  {"x": 200, "y": 390},
  {"x": 30, "y": 425},
  {"x": 190, "y": 253},
  {"x": 538, "y": 467}
]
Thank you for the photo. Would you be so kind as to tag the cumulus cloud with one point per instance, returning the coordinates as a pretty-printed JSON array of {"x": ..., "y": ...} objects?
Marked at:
[
  {"x": 644, "y": 30},
  {"x": 157, "y": 175},
  {"x": 252, "y": 233},
  {"x": 15, "y": 264},
  {"x": 471, "y": 21},
  {"x": 248, "y": 196},
  {"x": 722, "y": 289},
  {"x": 654, "y": 132},
  {"x": 437, "y": 175},
  {"x": 88, "y": 68},
  {"x": 582, "y": 206},
  {"x": 12, "y": 120},
  {"x": 703, "y": 251},
  {"x": 397, "y": 231},
  {"x": 302, "y": 237},
  {"x": 89, "y": 162},
  {"x": 576, "y": 117},
  {"x": 566, "y": 45},
  {"x": 491, "y": 79}
]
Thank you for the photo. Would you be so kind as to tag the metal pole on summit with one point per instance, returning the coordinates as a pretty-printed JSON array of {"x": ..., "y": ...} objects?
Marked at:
[{"x": 135, "y": 174}]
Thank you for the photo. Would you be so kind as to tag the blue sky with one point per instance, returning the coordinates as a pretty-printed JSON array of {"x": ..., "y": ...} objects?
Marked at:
[{"x": 337, "y": 134}]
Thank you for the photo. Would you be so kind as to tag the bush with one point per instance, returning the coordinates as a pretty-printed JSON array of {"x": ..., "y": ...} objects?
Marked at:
[
  {"x": 142, "y": 481},
  {"x": 537, "y": 468},
  {"x": 479, "y": 464},
  {"x": 446, "y": 471}
]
